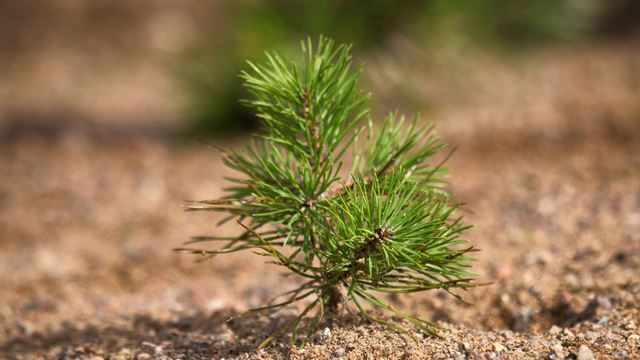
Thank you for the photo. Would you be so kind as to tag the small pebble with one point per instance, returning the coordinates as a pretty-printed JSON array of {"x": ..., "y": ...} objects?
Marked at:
[
  {"x": 604, "y": 302},
  {"x": 275, "y": 315},
  {"x": 337, "y": 352},
  {"x": 555, "y": 330},
  {"x": 522, "y": 318},
  {"x": 556, "y": 352},
  {"x": 123, "y": 354},
  {"x": 497, "y": 347},
  {"x": 620, "y": 353},
  {"x": 215, "y": 304},
  {"x": 157, "y": 350},
  {"x": 326, "y": 333},
  {"x": 584, "y": 353},
  {"x": 223, "y": 337}
]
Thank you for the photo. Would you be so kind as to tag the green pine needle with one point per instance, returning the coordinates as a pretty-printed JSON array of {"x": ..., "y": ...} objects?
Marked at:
[{"x": 390, "y": 227}]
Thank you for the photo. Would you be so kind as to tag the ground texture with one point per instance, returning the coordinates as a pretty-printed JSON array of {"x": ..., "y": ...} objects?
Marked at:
[{"x": 548, "y": 166}]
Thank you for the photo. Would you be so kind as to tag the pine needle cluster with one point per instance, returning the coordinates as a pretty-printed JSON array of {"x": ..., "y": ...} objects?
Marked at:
[{"x": 387, "y": 227}]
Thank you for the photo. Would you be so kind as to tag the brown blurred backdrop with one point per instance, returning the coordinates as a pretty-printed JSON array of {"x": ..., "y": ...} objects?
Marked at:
[{"x": 167, "y": 66}]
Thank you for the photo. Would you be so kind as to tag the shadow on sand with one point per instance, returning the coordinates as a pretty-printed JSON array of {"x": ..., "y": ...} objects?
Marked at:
[{"x": 195, "y": 336}]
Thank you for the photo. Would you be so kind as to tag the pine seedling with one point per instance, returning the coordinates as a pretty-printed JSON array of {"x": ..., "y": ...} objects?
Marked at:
[{"x": 389, "y": 226}]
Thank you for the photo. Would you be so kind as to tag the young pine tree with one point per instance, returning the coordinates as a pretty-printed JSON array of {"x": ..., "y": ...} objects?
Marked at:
[{"x": 389, "y": 227}]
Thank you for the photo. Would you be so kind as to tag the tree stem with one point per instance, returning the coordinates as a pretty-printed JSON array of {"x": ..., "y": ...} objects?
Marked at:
[{"x": 334, "y": 298}]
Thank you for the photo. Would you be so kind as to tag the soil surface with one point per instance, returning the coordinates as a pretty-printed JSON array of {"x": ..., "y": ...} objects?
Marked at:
[{"x": 548, "y": 166}]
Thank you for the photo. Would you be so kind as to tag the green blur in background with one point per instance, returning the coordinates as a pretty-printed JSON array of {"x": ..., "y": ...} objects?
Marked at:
[{"x": 208, "y": 71}]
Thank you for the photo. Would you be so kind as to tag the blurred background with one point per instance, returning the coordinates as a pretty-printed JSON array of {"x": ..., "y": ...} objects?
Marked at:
[
  {"x": 170, "y": 67},
  {"x": 102, "y": 103}
]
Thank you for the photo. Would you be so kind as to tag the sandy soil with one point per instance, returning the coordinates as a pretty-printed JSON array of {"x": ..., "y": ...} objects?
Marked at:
[{"x": 549, "y": 170}]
